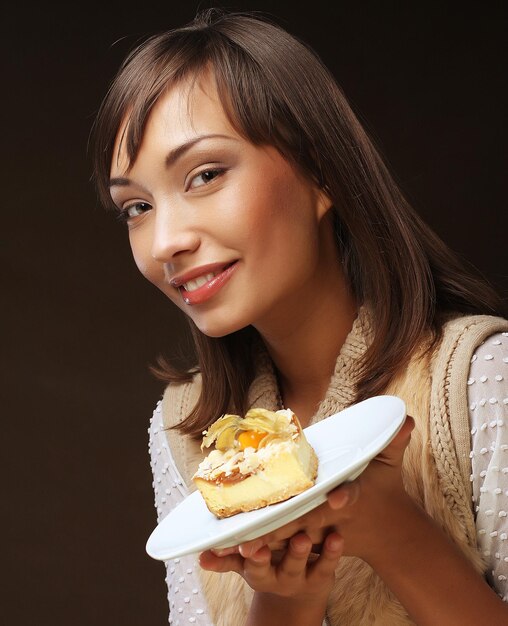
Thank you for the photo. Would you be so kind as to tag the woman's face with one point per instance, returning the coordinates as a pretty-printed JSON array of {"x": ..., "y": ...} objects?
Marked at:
[{"x": 229, "y": 231}]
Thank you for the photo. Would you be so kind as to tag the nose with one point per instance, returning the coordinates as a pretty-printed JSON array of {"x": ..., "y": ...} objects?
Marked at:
[{"x": 173, "y": 235}]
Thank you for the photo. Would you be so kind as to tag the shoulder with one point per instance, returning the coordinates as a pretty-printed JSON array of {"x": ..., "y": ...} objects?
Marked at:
[
  {"x": 488, "y": 373},
  {"x": 472, "y": 329},
  {"x": 179, "y": 399},
  {"x": 450, "y": 356},
  {"x": 177, "y": 402},
  {"x": 460, "y": 337},
  {"x": 450, "y": 418}
]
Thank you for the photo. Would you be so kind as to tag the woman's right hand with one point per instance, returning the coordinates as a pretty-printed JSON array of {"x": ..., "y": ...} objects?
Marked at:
[{"x": 293, "y": 589}]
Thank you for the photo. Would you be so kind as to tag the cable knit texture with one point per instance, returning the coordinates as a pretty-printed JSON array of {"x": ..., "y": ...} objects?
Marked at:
[{"x": 436, "y": 467}]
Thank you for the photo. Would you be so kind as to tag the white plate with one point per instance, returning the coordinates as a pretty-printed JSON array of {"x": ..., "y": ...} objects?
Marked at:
[{"x": 344, "y": 444}]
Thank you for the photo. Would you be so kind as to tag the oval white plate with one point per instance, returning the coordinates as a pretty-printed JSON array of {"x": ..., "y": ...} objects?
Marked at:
[{"x": 344, "y": 444}]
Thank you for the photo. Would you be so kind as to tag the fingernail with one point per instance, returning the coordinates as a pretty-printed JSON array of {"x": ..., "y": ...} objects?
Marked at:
[
  {"x": 339, "y": 499},
  {"x": 252, "y": 548},
  {"x": 263, "y": 557},
  {"x": 225, "y": 551},
  {"x": 300, "y": 547},
  {"x": 334, "y": 543}
]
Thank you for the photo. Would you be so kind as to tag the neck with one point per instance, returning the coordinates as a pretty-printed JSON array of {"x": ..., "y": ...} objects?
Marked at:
[
  {"x": 304, "y": 337},
  {"x": 305, "y": 356}
]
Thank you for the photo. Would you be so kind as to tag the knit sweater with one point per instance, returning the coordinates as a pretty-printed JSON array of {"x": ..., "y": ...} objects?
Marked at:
[{"x": 436, "y": 464}]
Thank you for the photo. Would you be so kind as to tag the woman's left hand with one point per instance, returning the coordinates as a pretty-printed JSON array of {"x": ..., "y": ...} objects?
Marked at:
[{"x": 365, "y": 512}]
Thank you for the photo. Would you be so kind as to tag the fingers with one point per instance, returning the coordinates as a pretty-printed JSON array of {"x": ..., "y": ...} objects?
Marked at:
[
  {"x": 258, "y": 571},
  {"x": 262, "y": 558},
  {"x": 295, "y": 574},
  {"x": 326, "y": 565},
  {"x": 278, "y": 545},
  {"x": 402, "y": 438},
  {"x": 344, "y": 495},
  {"x": 295, "y": 559},
  {"x": 394, "y": 451},
  {"x": 296, "y": 565},
  {"x": 313, "y": 524},
  {"x": 287, "y": 574},
  {"x": 210, "y": 561},
  {"x": 249, "y": 548},
  {"x": 225, "y": 551}
]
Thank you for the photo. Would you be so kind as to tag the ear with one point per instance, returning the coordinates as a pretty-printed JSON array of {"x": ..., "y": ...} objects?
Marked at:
[{"x": 323, "y": 203}]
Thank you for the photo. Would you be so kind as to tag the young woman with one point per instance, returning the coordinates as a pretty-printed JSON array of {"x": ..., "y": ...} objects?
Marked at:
[{"x": 256, "y": 202}]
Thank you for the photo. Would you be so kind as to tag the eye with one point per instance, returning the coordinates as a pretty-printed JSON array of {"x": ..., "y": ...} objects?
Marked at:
[
  {"x": 134, "y": 210},
  {"x": 205, "y": 177}
]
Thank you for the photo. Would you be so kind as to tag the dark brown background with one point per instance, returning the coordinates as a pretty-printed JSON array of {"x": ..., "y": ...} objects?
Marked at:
[{"x": 80, "y": 326}]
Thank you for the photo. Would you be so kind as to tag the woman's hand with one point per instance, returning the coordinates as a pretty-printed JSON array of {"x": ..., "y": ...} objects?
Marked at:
[
  {"x": 294, "y": 588},
  {"x": 365, "y": 512},
  {"x": 291, "y": 576}
]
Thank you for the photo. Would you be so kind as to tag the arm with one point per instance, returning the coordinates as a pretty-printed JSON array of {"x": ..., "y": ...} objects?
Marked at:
[
  {"x": 487, "y": 390},
  {"x": 184, "y": 591},
  {"x": 431, "y": 577},
  {"x": 488, "y": 408},
  {"x": 269, "y": 610},
  {"x": 476, "y": 601}
]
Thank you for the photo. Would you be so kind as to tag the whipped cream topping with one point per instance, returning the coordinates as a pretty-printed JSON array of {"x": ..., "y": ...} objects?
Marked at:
[{"x": 246, "y": 462}]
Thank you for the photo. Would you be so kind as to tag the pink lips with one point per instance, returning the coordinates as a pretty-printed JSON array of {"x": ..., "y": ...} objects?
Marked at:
[{"x": 210, "y": 288}]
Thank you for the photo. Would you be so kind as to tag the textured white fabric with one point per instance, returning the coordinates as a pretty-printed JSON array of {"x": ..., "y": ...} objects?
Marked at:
[
  {"x": 488, "y": 410},
  {"x": 187, "y": 603},
  {"x": 488, "y": 402}
]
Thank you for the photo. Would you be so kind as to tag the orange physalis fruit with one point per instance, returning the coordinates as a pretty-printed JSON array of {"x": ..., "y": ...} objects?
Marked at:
[{"x": 250, "y": 439}]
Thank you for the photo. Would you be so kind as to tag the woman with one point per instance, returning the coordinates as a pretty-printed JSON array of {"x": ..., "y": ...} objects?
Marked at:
[{"x": 258, "y": 205}]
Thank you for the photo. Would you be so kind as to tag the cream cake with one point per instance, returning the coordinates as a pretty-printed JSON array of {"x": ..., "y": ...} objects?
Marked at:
[{"x": 257, "y": 460}]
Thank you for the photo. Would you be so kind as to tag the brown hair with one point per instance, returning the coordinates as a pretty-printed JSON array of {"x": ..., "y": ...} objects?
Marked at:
[{"x": 276, "y": 91}]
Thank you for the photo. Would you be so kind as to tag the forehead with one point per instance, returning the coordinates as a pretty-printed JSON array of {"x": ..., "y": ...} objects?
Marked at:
[{"x": 188, "y": 109}]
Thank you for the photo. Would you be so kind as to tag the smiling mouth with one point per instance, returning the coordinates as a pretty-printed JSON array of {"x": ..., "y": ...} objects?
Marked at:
[
  {"x": 192, "y": 285},
  {"x": 199, "y": 289},
  {"x": 196, "y": 283}
]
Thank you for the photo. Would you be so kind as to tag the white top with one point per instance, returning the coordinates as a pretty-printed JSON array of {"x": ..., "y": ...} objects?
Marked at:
[
  {"x": 488, "y": 404},
  {"x": 488, "y": 410}
]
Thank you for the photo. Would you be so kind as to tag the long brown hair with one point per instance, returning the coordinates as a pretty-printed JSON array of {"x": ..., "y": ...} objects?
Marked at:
[{"x": 275, "y": 91}]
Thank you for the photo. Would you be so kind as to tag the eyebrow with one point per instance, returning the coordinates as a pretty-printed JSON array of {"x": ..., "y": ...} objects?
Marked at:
[
  {"x": 173, "y": 155},
  {"x": 179, "y": 151}
]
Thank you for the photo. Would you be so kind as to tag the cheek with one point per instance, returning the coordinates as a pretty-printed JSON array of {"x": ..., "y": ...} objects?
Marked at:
[
  {"x": 264, "y": 211},
  {"x": 281, "y": 217}
]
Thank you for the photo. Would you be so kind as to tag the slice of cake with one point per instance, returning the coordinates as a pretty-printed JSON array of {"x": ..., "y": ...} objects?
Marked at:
[{"x": 258, "y": 460}]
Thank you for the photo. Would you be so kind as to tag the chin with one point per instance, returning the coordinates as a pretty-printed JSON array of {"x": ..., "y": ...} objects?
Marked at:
[{"x": 217, "y": 329}]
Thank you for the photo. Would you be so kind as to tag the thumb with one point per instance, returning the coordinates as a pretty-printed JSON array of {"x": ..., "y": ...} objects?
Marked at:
[{"x": 394, "y": 451}]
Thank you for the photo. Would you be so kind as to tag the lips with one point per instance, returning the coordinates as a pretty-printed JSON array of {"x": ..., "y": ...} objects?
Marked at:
[{"x": 202, "y": 283}]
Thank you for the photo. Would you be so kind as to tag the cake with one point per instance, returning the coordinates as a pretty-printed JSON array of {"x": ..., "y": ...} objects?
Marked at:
[{"x": 261, "y": 459}]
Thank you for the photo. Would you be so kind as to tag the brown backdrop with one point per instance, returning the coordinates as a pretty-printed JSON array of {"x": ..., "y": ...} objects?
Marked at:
[{"x": 80, "y": 327}]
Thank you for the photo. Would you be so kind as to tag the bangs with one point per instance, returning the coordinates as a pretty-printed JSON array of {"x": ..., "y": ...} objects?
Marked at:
[
  {"x": 257, "y": 92},
  {"x": 146, "y": 74}
]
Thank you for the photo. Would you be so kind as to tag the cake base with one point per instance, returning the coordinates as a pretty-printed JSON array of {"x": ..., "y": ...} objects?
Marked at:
[{"x": 284, "y": 475}]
